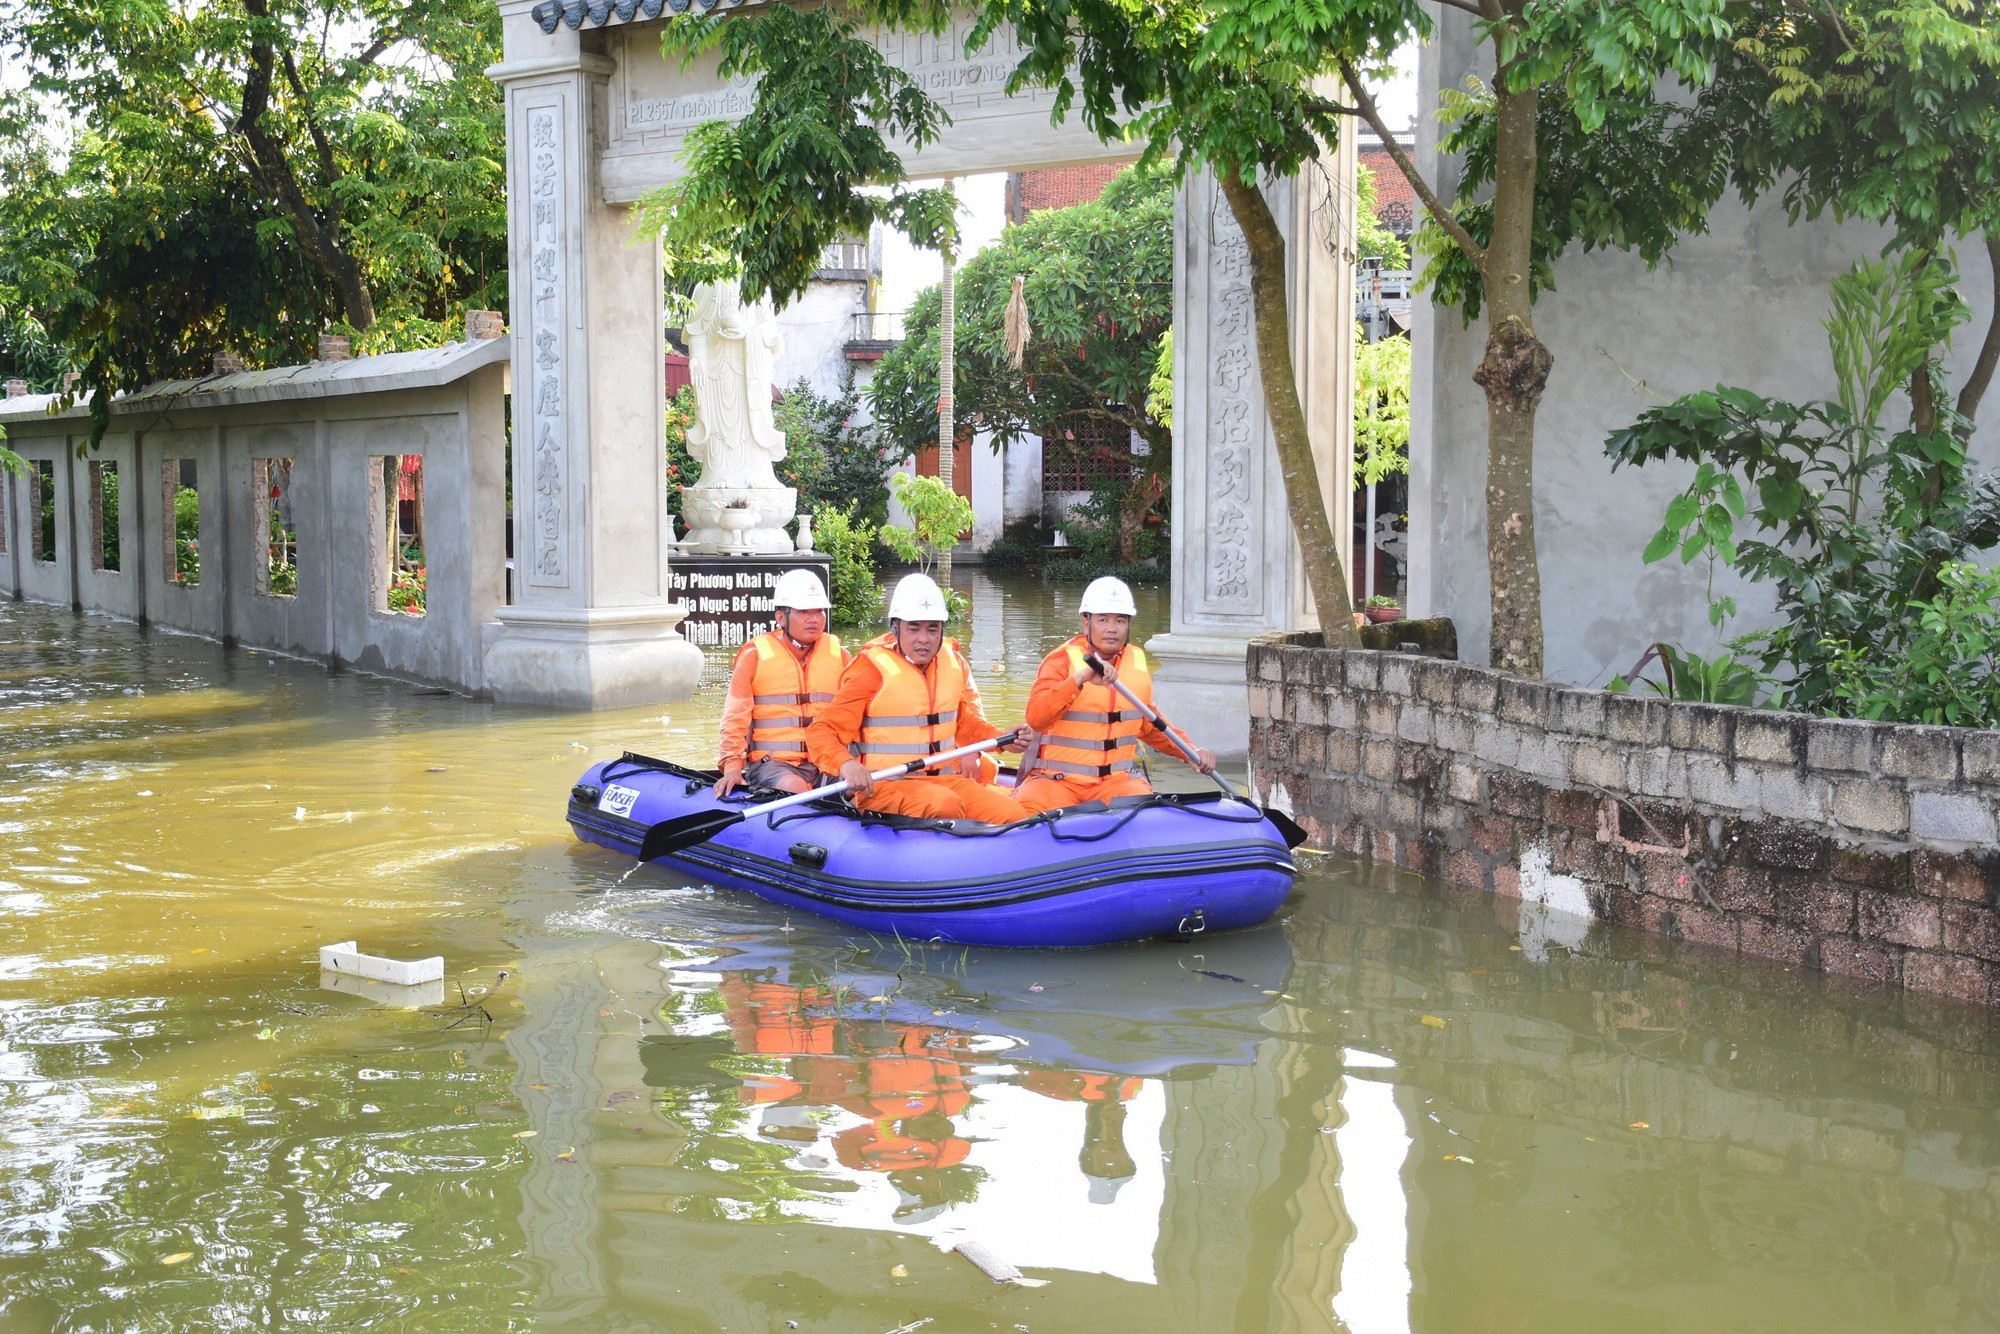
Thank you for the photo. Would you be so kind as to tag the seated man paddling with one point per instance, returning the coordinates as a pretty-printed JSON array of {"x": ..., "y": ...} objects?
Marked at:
[
  {"x": 782, "y": 679},
  {"x": 907, "y": 694},
  {"x": 1087, "y": 746}
]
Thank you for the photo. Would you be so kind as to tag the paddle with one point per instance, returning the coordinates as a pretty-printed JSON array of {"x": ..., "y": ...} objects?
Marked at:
[
  {"x": 1287, "y": 827},
  {"x": 687, "y": 830}
]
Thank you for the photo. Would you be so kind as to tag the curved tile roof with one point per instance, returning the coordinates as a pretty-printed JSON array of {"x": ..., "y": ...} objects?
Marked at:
[{"x": 552, "y": 14}]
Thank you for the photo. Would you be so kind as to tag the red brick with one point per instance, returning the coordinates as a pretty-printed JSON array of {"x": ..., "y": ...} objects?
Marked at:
[
  {"x": 1392, "y": 187},
  {"x": 1870, "y": 870},
  {"x": 1848, "y": 957},
  {"x": 1703, "y": 927},
  {"x": 1959, "y": 877},
  {"x": 1972, "y": 928},
  {"x": 1061, "y": 187},
  {"x": 1776, "y": 940},
  {"x": 1576, "y": 810},
  {"x": 1492, "y": 834},
  {"x": 1385, "y": 846},
  {"x": 1664, "y": 875},
  {"x": 1823, "y": 908},
  {"x": 1507, "y": 882},
  {"x": 1896, "y": 920},
  {"x": 1644, "y": 912},
  {"x": 1575, "y": 853},
  {"x": 1462, "y": 868},
  {"x": 1518, "y": 796},
  {"x": 1739, "y": 889},
  {"x": 1947, "y": 975}
]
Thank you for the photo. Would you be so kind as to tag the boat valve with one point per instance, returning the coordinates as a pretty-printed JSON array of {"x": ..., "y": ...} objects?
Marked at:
[
  {"x": 583, "y": 794},
  {"x": 809, "y": 854},
  {"x": 1193, "y": 924}
]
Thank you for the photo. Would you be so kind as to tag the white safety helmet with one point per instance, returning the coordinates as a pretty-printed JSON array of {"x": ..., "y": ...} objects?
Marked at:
[
  {"x": 1107, "y": 595},
  {"x": 799, "y": 590},
  {"x": 918, "y": 598}
]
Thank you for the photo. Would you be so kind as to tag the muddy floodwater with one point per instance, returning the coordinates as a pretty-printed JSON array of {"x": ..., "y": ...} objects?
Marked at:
[{"x": 638, "y": 1104}]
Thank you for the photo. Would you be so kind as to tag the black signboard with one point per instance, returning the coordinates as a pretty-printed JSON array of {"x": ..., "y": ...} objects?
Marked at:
[{"x": 728, "y": 598}]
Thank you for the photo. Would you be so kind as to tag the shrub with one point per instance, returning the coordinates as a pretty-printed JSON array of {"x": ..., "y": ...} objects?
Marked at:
[
  {"x": 851, "y": 543},
  {"x": 938, "y": 517},
  {"x": 187, "y": 532},
  {"x": 1852, "y": 520},
  {"x": 829, "y": 459},
  {"x": 1949, "y": 668}
]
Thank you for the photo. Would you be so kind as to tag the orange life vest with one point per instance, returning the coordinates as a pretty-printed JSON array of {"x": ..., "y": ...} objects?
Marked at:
[
  {"x": 786, "y": 695},
  {"x": 1096, "y": 738},
  {"x": 915, "y": 712}
]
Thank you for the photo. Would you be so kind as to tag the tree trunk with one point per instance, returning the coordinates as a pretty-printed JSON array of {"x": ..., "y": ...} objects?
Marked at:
[
  {"x": 1981, "y": 378},
  {"x": 1319, "y": 549},
  {"x": 318, "y": 234},
  {"x": 1513, "y": 374}
]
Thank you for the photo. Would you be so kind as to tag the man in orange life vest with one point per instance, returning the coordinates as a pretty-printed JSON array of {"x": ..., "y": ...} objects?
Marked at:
[
  {"x": 907, "y": 694},
  {"x": 781, "y": 681},
  {"x": 1088, "y": 735}
]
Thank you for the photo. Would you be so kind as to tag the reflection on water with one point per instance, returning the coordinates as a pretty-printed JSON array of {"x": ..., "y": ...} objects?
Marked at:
[{"x": 1396, "y": 1108}]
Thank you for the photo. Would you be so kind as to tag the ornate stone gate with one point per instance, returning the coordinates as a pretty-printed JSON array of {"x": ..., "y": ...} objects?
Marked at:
[{"x": 596, "y": 117}]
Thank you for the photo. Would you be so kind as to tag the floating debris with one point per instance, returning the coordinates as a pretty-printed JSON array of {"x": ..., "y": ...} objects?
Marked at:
[{"x": 994, "y": 1267}]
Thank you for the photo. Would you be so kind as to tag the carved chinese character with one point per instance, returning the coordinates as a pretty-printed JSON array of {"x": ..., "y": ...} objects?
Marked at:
[{"x": 1232, "y": 367}]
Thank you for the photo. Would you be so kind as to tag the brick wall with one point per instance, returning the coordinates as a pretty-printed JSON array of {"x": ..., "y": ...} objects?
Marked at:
[
  {"x": 1057, "y": 187},
  {"x": 1396, "y": 205},
  {"x": 1864, "y": 849}
]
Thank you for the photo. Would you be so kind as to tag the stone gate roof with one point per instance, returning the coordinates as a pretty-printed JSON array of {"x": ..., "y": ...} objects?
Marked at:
[{"x": 551, "y": 14}]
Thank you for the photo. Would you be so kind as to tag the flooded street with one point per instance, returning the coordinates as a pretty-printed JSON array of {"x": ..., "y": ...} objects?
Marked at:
[{"x": 644, "y": 1105}]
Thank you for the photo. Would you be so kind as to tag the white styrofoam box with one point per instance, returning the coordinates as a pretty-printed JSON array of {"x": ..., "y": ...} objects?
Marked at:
[{"x": 346, "y": 957}]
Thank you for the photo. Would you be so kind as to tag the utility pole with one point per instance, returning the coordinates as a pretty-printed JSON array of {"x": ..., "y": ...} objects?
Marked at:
[
  {"x": 1374, "y": 266},
  {"x": 947, "y": 302}
]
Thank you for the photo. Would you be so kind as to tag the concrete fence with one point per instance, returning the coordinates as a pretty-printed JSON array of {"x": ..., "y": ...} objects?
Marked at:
[
  {"x": 306, "y": 480},
  {"x": 1864, "y": 849}
]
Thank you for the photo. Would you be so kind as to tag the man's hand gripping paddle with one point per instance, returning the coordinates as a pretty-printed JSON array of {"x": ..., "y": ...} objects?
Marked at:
[
  {"x": 1287, "y": 828},
  {"x": 686, "y": 831}
]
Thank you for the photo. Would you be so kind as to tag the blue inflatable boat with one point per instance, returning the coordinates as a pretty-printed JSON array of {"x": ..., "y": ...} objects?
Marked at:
[{"x": 1173, "y": 864}]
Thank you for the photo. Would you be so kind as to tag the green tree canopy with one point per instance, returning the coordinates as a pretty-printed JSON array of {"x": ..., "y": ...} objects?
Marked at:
[
  {"x": 1887, "y": 110},
  {"x": 1097, "y": 281},
  {"x": 241, "y": 175}
]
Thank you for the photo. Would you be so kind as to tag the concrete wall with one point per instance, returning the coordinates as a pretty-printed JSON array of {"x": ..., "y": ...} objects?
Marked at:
[
  {"x": 1864, "y": 849},
  {"x": 815, "y": 330},
  {"x": 1021, "y": 486},
  {"x": 1741, "y": 305},
  {"x": 331, "y": 419}
]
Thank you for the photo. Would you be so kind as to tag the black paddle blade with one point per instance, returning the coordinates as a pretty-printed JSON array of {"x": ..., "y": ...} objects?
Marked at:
[
  {"x": 673, "y": 835},
  {"x": 1288, "y": 828}
]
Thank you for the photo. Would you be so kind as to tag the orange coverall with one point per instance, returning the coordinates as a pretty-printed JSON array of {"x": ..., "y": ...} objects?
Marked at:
[
  {"x": 928, "y": 794},
  {"x": 1054, "y": 693}
]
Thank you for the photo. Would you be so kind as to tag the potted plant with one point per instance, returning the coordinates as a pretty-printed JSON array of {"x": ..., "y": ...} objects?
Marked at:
[{"x": 1382, "y": 609}]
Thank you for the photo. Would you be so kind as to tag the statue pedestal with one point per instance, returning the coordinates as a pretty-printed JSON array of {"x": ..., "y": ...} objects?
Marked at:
[{"x": 714, "y": 515}]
